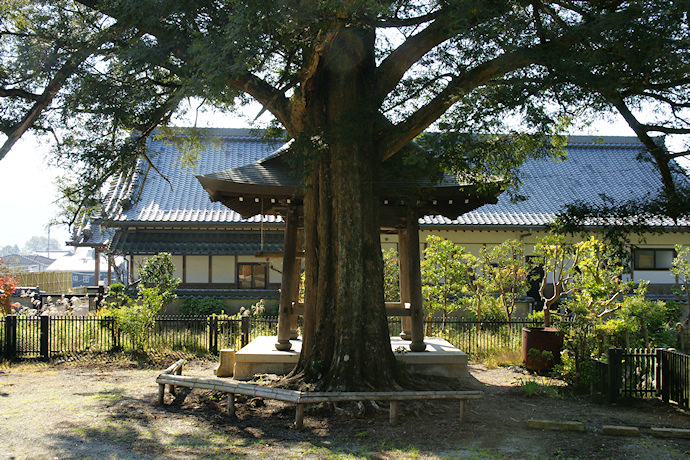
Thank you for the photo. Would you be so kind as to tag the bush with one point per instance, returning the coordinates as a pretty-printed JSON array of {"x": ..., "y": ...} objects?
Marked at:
[
  {"x": 117, "y": 294},
  {"x": 202, "y": 307}
]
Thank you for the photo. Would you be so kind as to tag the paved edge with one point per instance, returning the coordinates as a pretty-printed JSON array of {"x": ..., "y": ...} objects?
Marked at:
[{"x": 555, "y": 425}]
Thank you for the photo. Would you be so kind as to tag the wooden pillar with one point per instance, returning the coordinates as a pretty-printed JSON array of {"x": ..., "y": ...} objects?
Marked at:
[
  {"x": 415, "y": 281},
  {"x": 97, "y": 268},
  {"x": 287, "y": 283},
  {"x": 111, "y": 262},
  {"x": 403, "y": 244},
  {"x": 131, "y": 270},
  {"x": 295, "y": 286}
]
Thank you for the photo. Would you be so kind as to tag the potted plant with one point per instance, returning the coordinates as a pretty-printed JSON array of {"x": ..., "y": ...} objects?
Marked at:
[{"x": 541, "y": 346}]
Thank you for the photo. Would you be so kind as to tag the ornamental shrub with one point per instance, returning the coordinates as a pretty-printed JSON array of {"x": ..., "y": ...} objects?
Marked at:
[{"x": 206, "y": 306}]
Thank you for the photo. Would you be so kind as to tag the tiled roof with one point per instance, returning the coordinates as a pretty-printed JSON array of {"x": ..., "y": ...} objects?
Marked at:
[
  {"x": 197, "y": 242},
  {"x": 595, "y": 166},
  {"x": 182, "y": 199}
]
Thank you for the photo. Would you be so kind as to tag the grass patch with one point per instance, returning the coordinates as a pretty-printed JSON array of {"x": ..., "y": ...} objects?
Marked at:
[
  {"x": 535, "y": 388},
  {"x": 503, "y": 357}
]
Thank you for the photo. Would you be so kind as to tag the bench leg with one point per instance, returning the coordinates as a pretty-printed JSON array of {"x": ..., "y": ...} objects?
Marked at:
[
  {"x": 299, "y": 416},
  {"x": 463, "y": 410},
  {"x": 161, "y": 393},
  {"x": 231, "y": 404},
  {"x": 394, "y": 413},
  {"x": 172, "y": 390}
]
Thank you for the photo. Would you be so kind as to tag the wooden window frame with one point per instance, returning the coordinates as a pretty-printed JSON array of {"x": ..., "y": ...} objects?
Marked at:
[
  {"x": 655, "y": 251},
  {"x": 252, "y": 264}
]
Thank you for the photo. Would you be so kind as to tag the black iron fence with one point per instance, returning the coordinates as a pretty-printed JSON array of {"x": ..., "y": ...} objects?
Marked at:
[
  {"x": 644, "y": 373},
  {"x": 49, "y": 337},
  {"x": 480, "y": 338}
]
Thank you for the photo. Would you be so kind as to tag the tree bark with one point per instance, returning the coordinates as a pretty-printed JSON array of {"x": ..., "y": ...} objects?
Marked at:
[{"x": 346, "y": 344}]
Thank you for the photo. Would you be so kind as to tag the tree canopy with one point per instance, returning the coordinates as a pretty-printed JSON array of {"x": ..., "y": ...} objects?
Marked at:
[
  {"x": 90, "y": 73},
  {"x": 353, "y": 82}
]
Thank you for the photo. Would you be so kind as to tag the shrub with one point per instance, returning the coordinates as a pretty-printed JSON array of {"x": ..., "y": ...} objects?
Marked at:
[
  {"x": 206, "y": 306},
  {"x": 117, "y": 294},
  {"x": 158, "y": 274}
]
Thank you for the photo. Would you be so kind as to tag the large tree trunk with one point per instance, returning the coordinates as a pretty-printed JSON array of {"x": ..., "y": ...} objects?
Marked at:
[{"x": 345, "y": 337}]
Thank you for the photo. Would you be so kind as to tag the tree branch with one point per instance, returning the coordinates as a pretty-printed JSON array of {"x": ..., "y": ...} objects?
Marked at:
[
  {"x": 657, "y": 151},
  {"x": 392, "y": 69},
  {"x": 406, "y": 22},
  {"x": 391, "y": 140},
  {"x": 55, "y": 84},
  {"x": 20, "y": 93},
  {"x": 271, "y": 98}
]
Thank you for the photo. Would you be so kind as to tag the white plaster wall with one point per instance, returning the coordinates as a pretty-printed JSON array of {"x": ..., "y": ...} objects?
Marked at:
[
  {"x": 223, "y": 269},
  {"x": 178, "y": 262},
  {"x": 197, "y": 269}
]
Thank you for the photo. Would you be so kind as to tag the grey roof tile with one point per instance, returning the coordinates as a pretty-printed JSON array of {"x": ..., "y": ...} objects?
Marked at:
[
  {"x": 183, "y": 200},
  {"x": 594, "y": 166}
]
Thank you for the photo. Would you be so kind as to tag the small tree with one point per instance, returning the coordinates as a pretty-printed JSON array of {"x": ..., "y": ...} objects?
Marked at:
[
  {"x": 158, "y": 280},
  {"x": 681, "y": 268},
  {"x": 391, "y": 275},
  {"x": 507, "y": 273},
  {"x": 446, "y": 275},
  {"x": 157, "y": 289},
  {"x": 557, "y": 259},
  {"x": 595, "y": 288}
]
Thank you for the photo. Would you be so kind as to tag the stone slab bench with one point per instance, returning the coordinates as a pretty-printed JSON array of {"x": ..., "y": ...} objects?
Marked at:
[{"x": 173, "y": 378}]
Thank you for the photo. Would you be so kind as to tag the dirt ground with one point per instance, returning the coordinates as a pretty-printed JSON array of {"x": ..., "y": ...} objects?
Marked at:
[{"x": 95, "y": 410}]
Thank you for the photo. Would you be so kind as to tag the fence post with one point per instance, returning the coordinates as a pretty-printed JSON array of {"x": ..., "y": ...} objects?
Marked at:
[
  {"x": 45, "y": 333},
  {"x": 115, "y": 334},
  {"x": 665, "y": 376},
  {"x": 213, "y": 334},
  {"x": 615, "y": 355},
  {"x": 10, "y": 336},
  {"x": 245, "y": 331},
  {"x": 658, "y": 377}
]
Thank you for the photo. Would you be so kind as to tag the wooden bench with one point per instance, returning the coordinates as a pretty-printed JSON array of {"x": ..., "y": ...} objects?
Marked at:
[{"x": 173, "y": 377}]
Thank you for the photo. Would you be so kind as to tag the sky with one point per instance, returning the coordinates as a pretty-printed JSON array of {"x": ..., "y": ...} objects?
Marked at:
[
  {"x": 28, "y": 189},
  {"x": 27, "y": 181}
]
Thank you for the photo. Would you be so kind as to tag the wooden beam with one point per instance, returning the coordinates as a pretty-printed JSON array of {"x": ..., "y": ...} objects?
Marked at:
[{"x": 276, "y": 255}]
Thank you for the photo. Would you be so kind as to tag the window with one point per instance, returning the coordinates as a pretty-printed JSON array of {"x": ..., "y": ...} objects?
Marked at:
[
  {"x": 251, "y": 276},
  {"x": 653, "y": 259}
]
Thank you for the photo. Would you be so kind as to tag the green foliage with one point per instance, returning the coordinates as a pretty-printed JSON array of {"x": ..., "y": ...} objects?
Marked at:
[
  {"x": 117, "y": 294},
  {"x": 507, "y": 273},
  {"x": 601, "y": 310},
  {"x": 157, "y": 288},
  {"x": 157, "y": 277},
  {"x": 109, "y": 69},
  {"x": 207, "y": 306},
  {"x": 681, "y": 268},
  {"x": 40, "y": 244},
  {"x": 556, "y": 258},
  {"x": 391, "y": 276},
  {"x": 136, "y": 320},
  {"x": 486, "y": 286},
  {"x": 535, "y": 388},
  {"x": 445, "y": 272}
]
